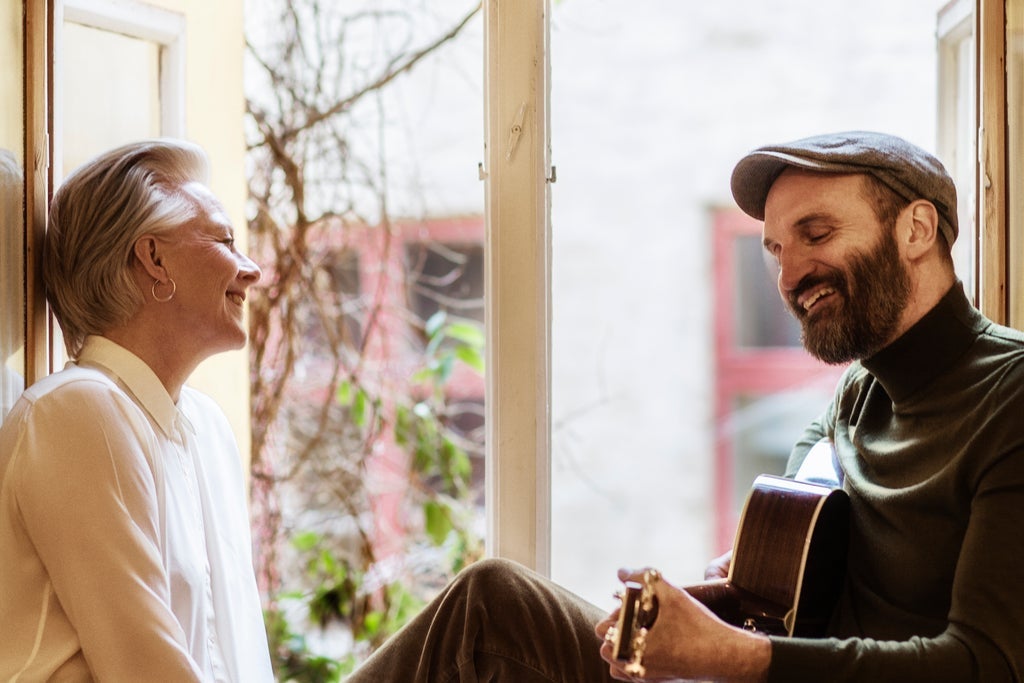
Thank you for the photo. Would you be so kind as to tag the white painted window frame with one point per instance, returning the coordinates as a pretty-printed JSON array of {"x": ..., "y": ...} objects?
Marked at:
[
  {"x": 958, "y": 126},
  {"x": 136, "y": 20},
  {"x": 516, "y": 170}
]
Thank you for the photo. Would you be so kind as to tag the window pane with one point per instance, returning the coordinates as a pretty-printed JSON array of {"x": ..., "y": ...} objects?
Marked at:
[
  {"x": 101, "y": 112},
  {"x": 365, "y": 207},
  {"x": 761, "y": 318},
  {"x": 655, "y": 416},
  {"x": 12, "y": 227},
  {"x": 446, "y": 277}
]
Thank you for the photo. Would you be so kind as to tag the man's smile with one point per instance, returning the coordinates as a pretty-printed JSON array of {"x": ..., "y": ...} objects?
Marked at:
[{"x": 808, "y": 301}]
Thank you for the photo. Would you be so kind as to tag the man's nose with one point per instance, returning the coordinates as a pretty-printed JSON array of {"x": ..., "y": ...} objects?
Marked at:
[{"x": 794, "y": 266}]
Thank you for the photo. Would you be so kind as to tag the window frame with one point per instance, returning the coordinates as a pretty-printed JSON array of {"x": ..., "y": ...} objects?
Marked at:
[
  {"x": 145, "y": 22},
  {"x": 993, "y": 229}
]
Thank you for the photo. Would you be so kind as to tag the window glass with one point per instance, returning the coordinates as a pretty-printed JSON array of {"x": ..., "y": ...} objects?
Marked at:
[
  {"x": 12, "y": 226},
  {"x": 761, "y": 318},
  {"x": 446, "y": 277},
  {"x": 364, "y": 125},
  {"x": 648, "y": 117}
]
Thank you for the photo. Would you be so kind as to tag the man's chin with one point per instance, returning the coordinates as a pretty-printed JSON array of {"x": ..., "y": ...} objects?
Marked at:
[{"x": 827, "y": 343}]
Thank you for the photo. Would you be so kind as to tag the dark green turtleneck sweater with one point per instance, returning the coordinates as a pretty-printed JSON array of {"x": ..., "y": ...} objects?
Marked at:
[{"x": 930, "y": 436}]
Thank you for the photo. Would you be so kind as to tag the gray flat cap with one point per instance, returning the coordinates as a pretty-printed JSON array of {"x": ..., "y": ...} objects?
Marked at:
[{"x": 906, "y": 169}]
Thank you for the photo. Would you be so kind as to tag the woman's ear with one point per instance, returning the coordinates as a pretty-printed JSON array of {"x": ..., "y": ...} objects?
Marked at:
[
  {"x": 922, "y": 228},
  {"x": 147, "y": 251}
]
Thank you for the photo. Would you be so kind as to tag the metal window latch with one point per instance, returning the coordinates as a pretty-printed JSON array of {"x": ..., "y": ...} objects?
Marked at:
[{"x": 515, "y": 132}]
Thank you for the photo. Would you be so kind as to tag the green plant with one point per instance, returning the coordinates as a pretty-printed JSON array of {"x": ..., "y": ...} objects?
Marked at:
[
  {"x": 336, "y": 592},
  {"x": 340, "y": 385}
]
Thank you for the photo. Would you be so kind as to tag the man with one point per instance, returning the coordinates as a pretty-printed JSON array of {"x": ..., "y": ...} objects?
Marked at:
[{"x": 926, "y": 423}]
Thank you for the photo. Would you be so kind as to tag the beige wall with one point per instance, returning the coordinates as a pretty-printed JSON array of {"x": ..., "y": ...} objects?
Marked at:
[{"x": 10, "y": 78}]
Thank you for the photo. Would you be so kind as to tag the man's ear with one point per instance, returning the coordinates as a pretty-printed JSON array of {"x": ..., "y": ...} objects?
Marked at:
[
  {"x": 147, "y": 251},
  {"x": 922, "y": 228}
]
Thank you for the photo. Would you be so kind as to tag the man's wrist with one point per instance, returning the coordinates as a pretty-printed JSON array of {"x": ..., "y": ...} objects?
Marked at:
[{"x": 754, "y": 658}]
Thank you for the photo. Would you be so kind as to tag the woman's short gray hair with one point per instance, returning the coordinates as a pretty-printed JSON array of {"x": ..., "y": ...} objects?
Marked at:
[{"x": 97, "y": 215}]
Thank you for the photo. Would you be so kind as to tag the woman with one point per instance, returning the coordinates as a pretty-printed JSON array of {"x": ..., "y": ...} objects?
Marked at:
[{"x": 123, "y": 525}]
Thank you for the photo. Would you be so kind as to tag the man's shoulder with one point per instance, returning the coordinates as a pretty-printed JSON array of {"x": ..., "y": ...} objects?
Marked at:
[
  {"x": 1012, "y": 339},
  {"x": 1002, "y": 346},
  {"x": 997, "y": 361}
]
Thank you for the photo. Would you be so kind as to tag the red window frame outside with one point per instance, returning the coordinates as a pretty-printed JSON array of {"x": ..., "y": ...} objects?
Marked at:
[{"x": 744, "y": 371}]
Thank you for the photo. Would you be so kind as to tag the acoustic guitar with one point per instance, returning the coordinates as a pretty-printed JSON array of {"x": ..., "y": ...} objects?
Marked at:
[{"x": 788, "y": 566}]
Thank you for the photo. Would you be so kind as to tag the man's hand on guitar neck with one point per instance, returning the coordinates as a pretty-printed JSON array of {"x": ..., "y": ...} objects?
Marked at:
[
  {"x": 688, "y": 641},
  {"x": 718, "y": 568}
]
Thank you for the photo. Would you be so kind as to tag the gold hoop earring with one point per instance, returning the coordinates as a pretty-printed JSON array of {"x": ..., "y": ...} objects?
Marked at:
[{"x": 174, "y": 288}]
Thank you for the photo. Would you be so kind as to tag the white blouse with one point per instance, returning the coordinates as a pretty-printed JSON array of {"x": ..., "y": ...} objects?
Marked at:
[{"x": 125, "y": 550}]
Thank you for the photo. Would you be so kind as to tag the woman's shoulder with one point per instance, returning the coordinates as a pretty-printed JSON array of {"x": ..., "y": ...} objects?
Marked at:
[
  {"x": 76, "y": 420},
  {"x": 75, "y": 386}
]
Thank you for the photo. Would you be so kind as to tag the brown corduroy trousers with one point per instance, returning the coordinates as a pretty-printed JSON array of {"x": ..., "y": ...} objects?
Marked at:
[{"x": 496, "y": 622}]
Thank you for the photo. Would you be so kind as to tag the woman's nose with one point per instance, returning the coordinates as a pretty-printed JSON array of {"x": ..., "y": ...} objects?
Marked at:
[{"x": 248, "y": 270}]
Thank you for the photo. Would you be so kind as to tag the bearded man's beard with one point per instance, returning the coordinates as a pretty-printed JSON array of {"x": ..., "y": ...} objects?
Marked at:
[{"x": 872, "y": 295}]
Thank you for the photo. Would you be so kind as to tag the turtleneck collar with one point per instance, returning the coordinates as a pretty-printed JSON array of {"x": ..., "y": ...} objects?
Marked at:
[{"x": 929, "y": 347}]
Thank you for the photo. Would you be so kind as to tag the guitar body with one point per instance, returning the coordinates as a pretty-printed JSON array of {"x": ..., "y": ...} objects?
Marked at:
[
  {"x": 789, "y": 560},
  {"x": 787, "y": 570}
]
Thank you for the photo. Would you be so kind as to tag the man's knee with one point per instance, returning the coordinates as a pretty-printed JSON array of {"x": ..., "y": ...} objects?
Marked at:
[{"x": 494, "y": 573}]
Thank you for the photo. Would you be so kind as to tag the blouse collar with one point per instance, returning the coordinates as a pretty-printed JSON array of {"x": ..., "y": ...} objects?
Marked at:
[{"x": 134, "y": 375}]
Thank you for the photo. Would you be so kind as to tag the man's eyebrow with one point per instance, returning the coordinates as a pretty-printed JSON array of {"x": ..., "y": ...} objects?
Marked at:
[
  {"x": 812, "y": 218},
  {"x": 803, "y": 224}
]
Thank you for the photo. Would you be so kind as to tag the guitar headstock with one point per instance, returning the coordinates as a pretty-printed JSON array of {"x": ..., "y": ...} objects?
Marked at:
[{"x": 637, "y": 613}]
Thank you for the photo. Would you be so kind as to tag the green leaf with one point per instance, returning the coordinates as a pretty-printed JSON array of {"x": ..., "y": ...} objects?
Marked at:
[
  {"x": 433, "y": 345},
  {"x": 445, "y": 369},
  {"x": 421, "y": 375},
  {"x": 438, "y": 521},
  {"x": 305, "y": 541},
  {"x": 435, "y": 323},
  {"x": 372, "y": 623},
  {"x": 403, "y": 425},
  {"x": 345, "y": 393},
  {"x": 471, "y": 357},
  {"x": 466, "y": 332},
  {"x": 359, "y": 409},
  {"x": 459, "y": 463}
]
